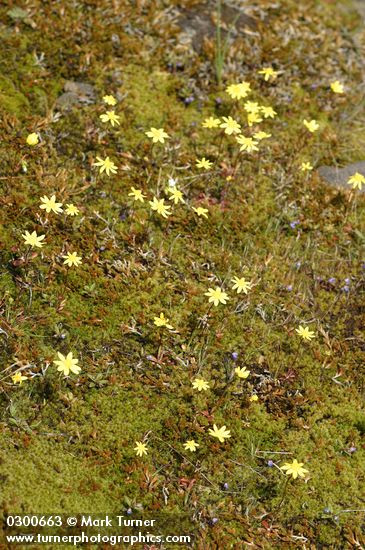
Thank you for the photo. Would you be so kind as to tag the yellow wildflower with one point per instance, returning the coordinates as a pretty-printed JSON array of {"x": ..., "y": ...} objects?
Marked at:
[
  {"x": 162, "y": 321},
  {"x": 109, "y": 100},
  {"x": 306, "y": 167},
  {"x": 111, "y": 117},
  {"x": 200, "y": 211},
  {"x": 261, "y": 135},
  {"x": 242, "y": 372},
  {"x": 175, "y": 195},
  {"x": 106, "y": 165},
  {"x": 140, "y": 448},
  {"x": 200, "y": 384},
  {"x": 268, "y": 72},
  {"x": 247, "y": 143},
  {"x": 33, "y": 240},
  {"x": 72, "y": 259},
  {"x": 191, "y": 445},
  {"x": 294, "y": 469},
  {"x": 157, "y": 135},
  {"x": 211, "y": 122},
  {"x": 230, "y": 125},
  {"x": 160, "y": 207},
  {"x": 18, "y": 378},
  {"x": 253, "y": 118},
  {"x": 357, "y": 180},
  {"x": 67, "y": 364},
  {"x": 239, "y": 91},
  {"x": 72, "y": 210},
  {"x": 32, "y": 139},
  {"x": 137, "y": 194},
  {"x": 221, "y": 434},
  {"x": 337, "y": 87},
  {"x": 268, "y": 112},
  {"x": 241, "y": 285},
  {"x": 204, "y": 163},
  {"x": 217, "y": 296},
  {"x": 50, "y": 205},
  {"x": 311, "y": 125},
  {"x": 251, "y": 107},
  {"x": 305, "y": 333}
]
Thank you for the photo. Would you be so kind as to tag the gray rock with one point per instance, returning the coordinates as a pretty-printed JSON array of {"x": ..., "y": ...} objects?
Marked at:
[
  {"x": 75, "y": 93},
  {"x": 338, "y": 177},
  {"x": 197, "y": 23}
]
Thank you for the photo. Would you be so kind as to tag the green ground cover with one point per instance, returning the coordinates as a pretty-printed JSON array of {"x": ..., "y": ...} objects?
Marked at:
[{"x": 68, "y": 443}]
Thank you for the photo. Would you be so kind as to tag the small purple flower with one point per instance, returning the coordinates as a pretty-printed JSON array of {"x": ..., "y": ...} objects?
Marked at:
[
  {"x": 289, "y": 288},
  {"x": 213, "y": 521},
  {"x": 218, "y": 100},
  {"x": 150, "y": 357},
  {"x": 294, "y": 224},
  {"x": 189, "y": 100},
  {"x": 129, "y": 511},
  {"x": 352, "y": 449},
  {"x": 363, "y": 266},
  {"x": 225, "y": 486},
  {"x": 347, "y": 281},
  {"x": 326, "y": 511},
  {"x": 332, "y": 280},
  {"x": 298, "y": 264},
  {"x": 270, "y": 463},
  {"x": 345, "y": 288},
  {"x": 234, "y": 356}
]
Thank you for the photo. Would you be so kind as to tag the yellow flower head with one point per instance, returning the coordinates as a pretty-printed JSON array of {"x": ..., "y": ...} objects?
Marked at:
[
  {"x": 306, "y": 167},
  {"x": 191, "y": 445},
  {"x": 204, "y": 163},
  {"x": 261, "y": 135},
  {"x": 217, "y": 296},
  {"x": 242, "y": 372},
  {"x": 157, "y": 135},
  {"x": 72, "y": 210},
  {"x": 253, "y": 398},
  {"x": 251, "y": 107},
  {"x": 247, "y": 143},
  {"x": 72, "y": 259},
  {"x": 32, "y": 239},
  {"x": 200, "y": 211},
  {"x": 239, "y": 91},
  {"x": 241, "y": 285},
  {"x": 111, "y": 117},
  {"x": 268, "y": 72},
  {"x": 220, "y": 433},
  {"x": 230, "y": 125},
  {"x": 50, "y": 205},
  {"x": 18, "y": 378},
  {"x": 106, "y": 165},
  {"x": 305, "y": 333},
  {"x": 162, "y": 321},
  {"x": 337, "y": 87},
  {"x": 294, "y": 469},
  {"x": 109, "y": 100},
  {"x": 140, "y": 448},
  {"x": 311, "y": 125},
  {"x": 32, "y": 139},
  {"x": 200, "y": 384},
  {"x": 136, "y": 194},
  {"x": 160, "y": 207},
  {"x": 211, "y": 122},
  {"x": 357, "y": 180},
  {"x": 268, "y": 112},
  {"x": 67, "y": 364},
  {"x": 175, "y": 195},
  {"x": 253, "y": 118}
]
